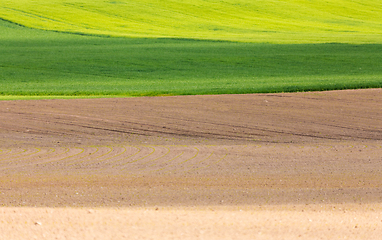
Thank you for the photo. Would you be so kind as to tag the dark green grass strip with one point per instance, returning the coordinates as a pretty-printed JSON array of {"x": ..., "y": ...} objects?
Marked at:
[{"x": 92, "y": 66}]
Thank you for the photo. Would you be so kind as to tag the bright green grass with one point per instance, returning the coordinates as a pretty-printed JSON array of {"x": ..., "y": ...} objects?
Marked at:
[
  {"x": 274, "y": 21},
  {"x": 54, "y": 64}
]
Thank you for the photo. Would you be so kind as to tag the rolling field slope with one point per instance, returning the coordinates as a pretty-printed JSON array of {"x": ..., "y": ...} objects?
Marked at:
[
  {"x": 166, "y": 47},
  {"x": 90, "y": 66},
  {"x": 277, "y": 166},
  {"x": 280, "y": 21}
]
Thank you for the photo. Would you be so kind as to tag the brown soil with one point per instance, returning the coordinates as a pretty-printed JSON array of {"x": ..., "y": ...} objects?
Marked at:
[{"x": 265, "y": 166}]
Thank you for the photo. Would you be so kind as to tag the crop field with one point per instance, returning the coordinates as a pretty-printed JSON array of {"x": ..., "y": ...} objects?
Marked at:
[
  {"x": 276, "y": 21},
  {"x": 272, "y": 165},
  {"x": 36, "y": 63},
  {"x": 110, "y": 144},
  {"x": 89, "y": 66},
  {"x": 125, "y": 67}
]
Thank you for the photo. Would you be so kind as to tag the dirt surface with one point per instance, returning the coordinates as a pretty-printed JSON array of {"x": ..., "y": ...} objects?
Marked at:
[{"x": 264, "y": 166}]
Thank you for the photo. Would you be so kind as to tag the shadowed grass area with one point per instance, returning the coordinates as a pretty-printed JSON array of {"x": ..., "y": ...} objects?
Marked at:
[{"x": 148, "y": 67}]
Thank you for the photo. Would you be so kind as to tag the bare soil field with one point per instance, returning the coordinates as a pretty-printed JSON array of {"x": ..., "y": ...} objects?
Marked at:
[{"x": 256, "y": 166}]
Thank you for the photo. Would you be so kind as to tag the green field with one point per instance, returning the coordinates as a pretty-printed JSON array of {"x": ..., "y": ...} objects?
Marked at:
[
  {"x": 147, "y": 48},
  {"x": 275, "y": 21}
]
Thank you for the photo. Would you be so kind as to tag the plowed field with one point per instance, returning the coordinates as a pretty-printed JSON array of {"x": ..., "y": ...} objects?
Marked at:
[{"x": 264, "y": 166}]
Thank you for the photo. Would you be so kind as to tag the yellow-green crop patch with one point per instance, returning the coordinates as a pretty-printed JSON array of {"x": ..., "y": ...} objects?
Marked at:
[{"x": 275, "y": 21}]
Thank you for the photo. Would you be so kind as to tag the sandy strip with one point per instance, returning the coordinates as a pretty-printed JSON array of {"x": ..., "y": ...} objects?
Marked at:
[{"x": 281, "y": 222}]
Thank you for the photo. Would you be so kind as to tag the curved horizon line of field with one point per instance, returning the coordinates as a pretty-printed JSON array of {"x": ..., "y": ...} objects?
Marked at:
[{"x": 283, "y": 21}]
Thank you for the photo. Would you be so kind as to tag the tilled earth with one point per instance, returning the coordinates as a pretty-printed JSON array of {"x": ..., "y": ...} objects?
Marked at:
[{"x": 266, "y": 164}]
